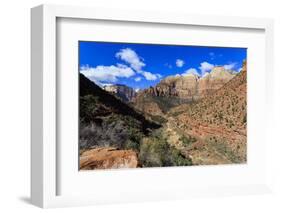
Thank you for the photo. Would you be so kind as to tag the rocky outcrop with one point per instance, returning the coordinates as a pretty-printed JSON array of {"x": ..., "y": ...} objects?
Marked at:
[
  {"x": 124, "y": 92},
  {"x": 165, "y": 88},
  {"x": 191, "y": 86},
  {"x": 108, "y": 158},
  {"x": 213, "y": 80},
  {"x": 187, "y": 86}
]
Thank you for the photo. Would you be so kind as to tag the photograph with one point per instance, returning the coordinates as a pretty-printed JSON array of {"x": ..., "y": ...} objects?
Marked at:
[{"x": 161, "y": 105}]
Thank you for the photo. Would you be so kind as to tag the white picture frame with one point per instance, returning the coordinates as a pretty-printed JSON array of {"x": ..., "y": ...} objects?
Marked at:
[{"x": 44, "y": 155}]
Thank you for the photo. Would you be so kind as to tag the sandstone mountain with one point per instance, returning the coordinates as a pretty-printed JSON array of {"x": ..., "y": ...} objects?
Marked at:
[
  {"x": 214, "y": 80},
  {"x": 176, "y": 90},
  {"x": 191, "y": 86},
  {"x": 121, "y": 91},
  {"x": 226, "y": 106},
  {"x": 218, "y": 122}
]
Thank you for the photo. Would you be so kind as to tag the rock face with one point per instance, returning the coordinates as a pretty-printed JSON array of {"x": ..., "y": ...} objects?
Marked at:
[
  {"x": 213, "y": 80},
  {"x": 125, "y": 93},
  {"x": 176, "y": 90},
  {"x": 187, "y": 86},
  {"x": 191, "y": 86},
  {"x": 165, "y": 88},
  {"x": 108, "y": 158}
]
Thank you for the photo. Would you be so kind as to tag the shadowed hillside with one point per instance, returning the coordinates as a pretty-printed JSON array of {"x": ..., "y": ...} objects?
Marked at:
[{"x": 106, "y": 120}]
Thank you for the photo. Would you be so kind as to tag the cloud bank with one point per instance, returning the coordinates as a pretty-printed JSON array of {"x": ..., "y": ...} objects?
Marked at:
[
  {"x": 112, "y": 73},
  {"x": 130, "y": 56},
  {"x": 107, "y": 73},
  {"x": 136, "y": 62},
  {"x": 206, "y": 67}
]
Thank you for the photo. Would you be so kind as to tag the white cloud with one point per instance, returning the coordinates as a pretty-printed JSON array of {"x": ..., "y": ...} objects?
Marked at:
[
  {"x": 191, "y": 71},
  {"x": 121, "y": 65},
  {"x": 179, "y": 62},
  {"x": 150, "y": 76},
  {"x": 229, "y": 66},
  {"x": 107, "y": 73},
  {"x": 138, "y": 79},
  {"x": 159, "y": 76},
  {"x": 136, "y": 62},
  {"x": 205, "y": 67},
  {"x": 131, "y": 57}
]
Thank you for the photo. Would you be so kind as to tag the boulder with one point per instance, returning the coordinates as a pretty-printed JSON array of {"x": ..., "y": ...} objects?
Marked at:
[{"x": 108, "y": 158}]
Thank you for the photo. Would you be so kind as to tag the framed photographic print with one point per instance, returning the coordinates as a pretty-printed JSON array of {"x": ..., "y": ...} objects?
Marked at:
[{"x": 129, "y": 106}]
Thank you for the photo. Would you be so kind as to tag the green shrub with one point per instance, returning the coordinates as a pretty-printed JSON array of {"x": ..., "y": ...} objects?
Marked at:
[
  {"x": 186, "y": 141},
  {"x": 156, "y": 152}
]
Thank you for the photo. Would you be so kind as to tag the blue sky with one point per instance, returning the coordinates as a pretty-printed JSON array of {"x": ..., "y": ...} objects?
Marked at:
[{"x": 142, "y": 65}]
